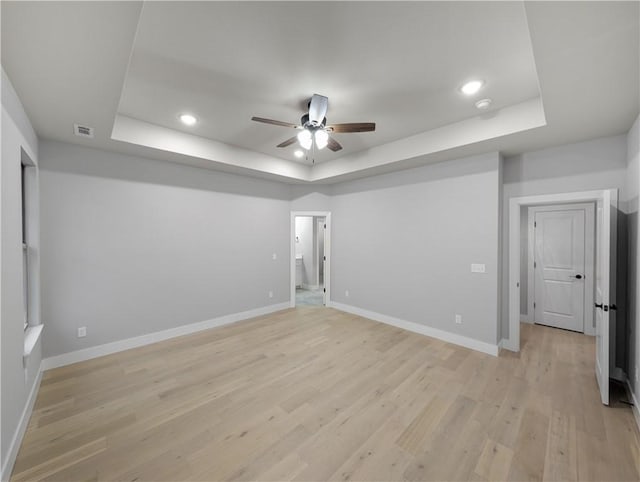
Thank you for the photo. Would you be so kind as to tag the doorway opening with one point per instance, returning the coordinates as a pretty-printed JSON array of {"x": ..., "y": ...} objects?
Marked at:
[
  {"x": 557, "y": 266},
  {"x": 604, "y": 307},
  {"x": 310, "y": 258}
]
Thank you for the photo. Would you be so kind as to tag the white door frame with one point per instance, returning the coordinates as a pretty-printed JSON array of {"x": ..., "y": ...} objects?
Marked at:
[
  {"x": 327, "y": 252},
  {"x": 317, "y": 256},
  {"x": 589, "y": 259},
  {"x": 515, "y": 203}
]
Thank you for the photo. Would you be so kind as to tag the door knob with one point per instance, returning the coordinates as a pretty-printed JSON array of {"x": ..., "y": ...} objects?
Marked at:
[
  {"x": 578, "y": 276},
  {"x": 599, "y": 305}
]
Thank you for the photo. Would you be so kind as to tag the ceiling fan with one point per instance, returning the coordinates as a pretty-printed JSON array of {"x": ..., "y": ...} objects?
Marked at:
[{"x": 314, "y": 129}]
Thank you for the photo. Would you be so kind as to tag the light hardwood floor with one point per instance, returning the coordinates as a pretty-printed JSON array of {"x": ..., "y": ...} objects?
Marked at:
[{"x": 316, "y": 394}]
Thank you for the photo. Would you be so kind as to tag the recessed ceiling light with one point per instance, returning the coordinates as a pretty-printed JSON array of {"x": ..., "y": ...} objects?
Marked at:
[
  {"x": 483, "y": 104},
  {"x": 472, "y": 87},
  {"x": 188, "y": 119},
  {"x": 298, "y": 153}
]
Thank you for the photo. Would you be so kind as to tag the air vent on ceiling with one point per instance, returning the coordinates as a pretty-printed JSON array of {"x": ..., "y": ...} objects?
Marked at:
[{"x": 82, "y": 131}]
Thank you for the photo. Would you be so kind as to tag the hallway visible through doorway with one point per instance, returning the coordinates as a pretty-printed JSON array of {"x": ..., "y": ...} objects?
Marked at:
[{"x": 310, "y": 257}]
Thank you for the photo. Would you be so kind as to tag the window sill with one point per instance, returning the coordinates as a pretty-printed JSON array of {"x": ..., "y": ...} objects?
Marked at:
[{"x": 31, "y": 337}]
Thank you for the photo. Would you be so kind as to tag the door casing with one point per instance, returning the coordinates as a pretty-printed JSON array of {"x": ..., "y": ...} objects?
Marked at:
[{"x": 512, "y": 343}]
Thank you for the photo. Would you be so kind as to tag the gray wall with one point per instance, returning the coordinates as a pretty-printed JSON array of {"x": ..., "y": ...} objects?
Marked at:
[
  {"x": 311, "y": 198},
  {"x": 595, "y": 164},
  {"x": 403, "y": 243},
  {"x": 17, "y": 382},
  {"x": 133, "y": 246},
  {"x": 633, "y": 307}
]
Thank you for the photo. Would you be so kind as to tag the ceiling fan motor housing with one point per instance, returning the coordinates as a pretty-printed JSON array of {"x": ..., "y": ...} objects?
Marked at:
[{"x": 305, "y": 122}]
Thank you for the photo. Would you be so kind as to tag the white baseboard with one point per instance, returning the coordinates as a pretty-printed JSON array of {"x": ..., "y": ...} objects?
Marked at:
[
  {"x": 635, "y": 409},
  {"x": 460, "y": 340},
  {"x": 121, "y": 345},
  {"x": 305, "y": 286},
  {"x": 16, "y": 441}
]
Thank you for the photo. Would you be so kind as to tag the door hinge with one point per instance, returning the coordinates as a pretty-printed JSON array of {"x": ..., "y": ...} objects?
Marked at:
[
  {"x": 324, "y": 290},
  {"x": 535, "y": 264},
  {"x": 535, "y": 224},
  {"x": 325, "y": 226},
  {"x": 534, "y": 304},
  {"x": 324, "y": 258}
]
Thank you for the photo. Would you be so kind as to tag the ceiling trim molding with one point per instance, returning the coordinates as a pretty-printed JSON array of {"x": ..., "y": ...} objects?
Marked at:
[
  {"x": 399, "y": 154},
  {"x": 509, "y": 120},
  {"x": 134, "y": 131}
]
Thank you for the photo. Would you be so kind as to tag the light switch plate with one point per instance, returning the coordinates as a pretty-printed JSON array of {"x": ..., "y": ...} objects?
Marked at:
[
  {"x": 478, "y": 268},
  {"x": 82, "y": 332}
]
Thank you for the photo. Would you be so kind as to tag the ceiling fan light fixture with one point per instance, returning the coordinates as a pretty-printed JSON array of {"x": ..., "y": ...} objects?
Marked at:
[
  {"x": 313, "y": 127},
  {"x": 298, "y": 153},
  {"x": 305, "y": 139},
  {"x": 322, "y": 138},
  {"x": 472, "y": 87},
  {"x": 188, "y": 119}
]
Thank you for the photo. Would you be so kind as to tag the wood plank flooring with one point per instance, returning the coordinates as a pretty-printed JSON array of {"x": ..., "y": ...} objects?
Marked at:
[{"x": 316, "y": 394}]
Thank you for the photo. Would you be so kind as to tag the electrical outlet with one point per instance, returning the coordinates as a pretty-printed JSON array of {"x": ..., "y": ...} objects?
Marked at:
[
  {"x": 82, "y": 332},
  {"x": 458, "y": 319},
  {"x": 270, "y": 294},
  {"x": 274, "y": 256},
  {"x": 346, "y": 293}
]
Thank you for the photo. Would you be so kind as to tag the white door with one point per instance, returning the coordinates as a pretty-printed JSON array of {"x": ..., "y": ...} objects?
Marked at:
[
  {"x": 606, "y": 222},
  {"x": 560, "y": 269}
]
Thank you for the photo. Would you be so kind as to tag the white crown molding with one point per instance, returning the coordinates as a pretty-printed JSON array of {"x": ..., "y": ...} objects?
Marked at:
[
  {"x": 430, "y": 146},
  {"x": 434, "y": 145},
  {"x": 134, "y": 131}
]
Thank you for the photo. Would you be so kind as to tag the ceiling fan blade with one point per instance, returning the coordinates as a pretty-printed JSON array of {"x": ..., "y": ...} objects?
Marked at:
[
  {"x": 318, "y": 108},
  {"x": 353, "y": 127},
  {"x": 288, "y": 142},
  {"x": 333, "y": 145},
  {"x": 275, "y": 122}
]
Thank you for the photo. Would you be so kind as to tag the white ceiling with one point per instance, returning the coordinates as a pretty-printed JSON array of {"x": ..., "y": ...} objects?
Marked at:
[
  {"x": 398, "y": 65},
  {"x": 557, "y": 73}
]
